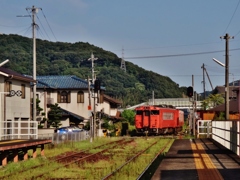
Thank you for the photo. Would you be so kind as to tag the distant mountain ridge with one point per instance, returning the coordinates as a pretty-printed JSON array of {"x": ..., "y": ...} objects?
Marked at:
[{"x": 134, "y": 86}]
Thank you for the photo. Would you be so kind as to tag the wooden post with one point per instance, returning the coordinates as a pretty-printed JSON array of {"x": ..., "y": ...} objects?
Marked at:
[
  {"x": 4, "y": 158},
  {"x": 34, "y": 152},
  {"x": 15, "y": 155},
  {"x": 42, "y": 149},
  {"x": 25, "y": 156}
]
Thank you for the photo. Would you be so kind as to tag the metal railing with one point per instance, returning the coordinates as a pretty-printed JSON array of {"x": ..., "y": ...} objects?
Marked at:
[
  {"x": 204, "y": 128},
  {"x": 64, "y": 137},
  {"x": 18, "y": 130}
]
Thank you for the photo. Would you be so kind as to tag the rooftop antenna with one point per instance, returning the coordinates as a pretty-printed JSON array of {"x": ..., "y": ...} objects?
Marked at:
[{"x": 123, "y": 66}]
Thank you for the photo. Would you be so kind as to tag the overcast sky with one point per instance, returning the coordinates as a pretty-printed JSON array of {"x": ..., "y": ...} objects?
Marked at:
[{"x": 173, "y": 38}]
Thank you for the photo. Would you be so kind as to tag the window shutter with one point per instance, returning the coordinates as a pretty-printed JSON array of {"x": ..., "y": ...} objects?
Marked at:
[
  {"x": 58, "y": 97},
  {"x": 69, "y": 97},
  {"x": 101, "y": 97}
]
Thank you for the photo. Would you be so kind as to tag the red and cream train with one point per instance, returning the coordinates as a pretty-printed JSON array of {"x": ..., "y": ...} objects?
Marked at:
[{"x": 158, "y": 120}]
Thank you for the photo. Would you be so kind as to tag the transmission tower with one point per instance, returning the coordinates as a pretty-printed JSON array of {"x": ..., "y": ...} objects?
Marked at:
[{"x": 123, "y": 66}]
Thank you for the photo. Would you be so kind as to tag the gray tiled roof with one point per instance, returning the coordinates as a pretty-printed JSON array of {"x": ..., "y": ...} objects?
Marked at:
[{"x": 61, "y": 82}]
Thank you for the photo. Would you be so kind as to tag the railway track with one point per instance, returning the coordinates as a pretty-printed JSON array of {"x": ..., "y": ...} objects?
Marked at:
[
  {"x": 65, "y": 159},
  {"x": 106, "y": 152}
]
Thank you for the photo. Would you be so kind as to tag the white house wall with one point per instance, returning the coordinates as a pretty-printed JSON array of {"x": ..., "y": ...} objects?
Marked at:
[
  {"x": 1, "y": 102},
  {"x": 80, "y": 109},
  {"x": 16, "y": 107}
]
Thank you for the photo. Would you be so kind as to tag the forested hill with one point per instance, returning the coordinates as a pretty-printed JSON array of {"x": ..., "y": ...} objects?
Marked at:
[{"x": 59, "y": 58}]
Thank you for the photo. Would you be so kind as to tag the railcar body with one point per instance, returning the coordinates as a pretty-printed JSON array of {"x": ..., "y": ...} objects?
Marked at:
[{"x": 158, "y": 120}]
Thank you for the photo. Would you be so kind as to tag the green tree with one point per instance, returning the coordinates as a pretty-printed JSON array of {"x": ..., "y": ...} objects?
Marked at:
[
  {"x": 212, "y": 100},
  {"x": 128, "y": 115},
  {"x": 39, "y": 109},
  {"x": 54, "y": 116}
]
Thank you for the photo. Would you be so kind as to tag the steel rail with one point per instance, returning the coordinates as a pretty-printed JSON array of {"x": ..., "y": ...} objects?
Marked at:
[
  {"x": 134, "y": 157},
  {"x": 57, "y": 160},
  {"x": 160, "y": 152}
]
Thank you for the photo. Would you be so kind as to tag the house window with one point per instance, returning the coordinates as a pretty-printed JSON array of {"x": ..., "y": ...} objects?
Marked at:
[
  {"x": 23, "y": 88},
  {"x": 64, "y": 97},
  {"x": 80, "y": 97},
  {"x": 100, "y": 97}
]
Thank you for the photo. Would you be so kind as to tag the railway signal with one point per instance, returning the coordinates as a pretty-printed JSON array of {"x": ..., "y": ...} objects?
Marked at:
[
  {"x": 190, "y": 91},
  {"x": 97, "y": 85}
]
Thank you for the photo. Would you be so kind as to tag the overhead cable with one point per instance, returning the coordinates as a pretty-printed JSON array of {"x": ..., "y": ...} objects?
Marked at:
[
  {"x": 178, "y": 55},
  {"x": 231, "y": 18}
]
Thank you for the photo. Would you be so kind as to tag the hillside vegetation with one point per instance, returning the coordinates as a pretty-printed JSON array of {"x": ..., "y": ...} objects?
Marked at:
[{"x": 59, "y": 58}]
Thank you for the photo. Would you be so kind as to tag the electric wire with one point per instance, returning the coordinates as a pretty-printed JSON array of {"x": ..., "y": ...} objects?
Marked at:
[
  {"x": 12, "y": 26},
  {"x": 49, "y": 25},
  {"x": 43, "y": 27},
  {"x": 231, "y": 17},
  {"x": 27, "y": 30},
  {"x": 178, "y": 55}
]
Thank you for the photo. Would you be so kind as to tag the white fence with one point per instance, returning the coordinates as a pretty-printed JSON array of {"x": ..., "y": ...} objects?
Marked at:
[
  {"x": 227, "y": 133},
  {"x": 18, "y": 130},
  {"x": 204, "y": 127}
]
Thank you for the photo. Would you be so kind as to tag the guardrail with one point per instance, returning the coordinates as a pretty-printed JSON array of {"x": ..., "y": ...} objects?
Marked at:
[{"x": 63, "y": 137}]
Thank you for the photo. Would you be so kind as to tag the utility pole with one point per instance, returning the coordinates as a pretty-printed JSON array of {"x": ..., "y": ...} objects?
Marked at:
[
  {"x": 34, "y": 25},
  {"x": 93, "y": 123},
  {"x": 227, "y": 37},
  {"x": 193, "y": 111},
  {"x": 204, "y": 90}
]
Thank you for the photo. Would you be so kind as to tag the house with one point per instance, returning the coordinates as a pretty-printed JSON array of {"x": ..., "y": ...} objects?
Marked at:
[
  {"x": 15, "y": 106},
  {"x": 75, "y": 97},
  {"x": 221, "y": 90},
  {"x": 234, "y": 100}
]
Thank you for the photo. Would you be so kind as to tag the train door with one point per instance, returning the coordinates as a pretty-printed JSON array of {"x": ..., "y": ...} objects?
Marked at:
[
  {"x": 146, "y": 120},
  {"x": 139, "y": 119},
  {"x": 154, "y": 120}
]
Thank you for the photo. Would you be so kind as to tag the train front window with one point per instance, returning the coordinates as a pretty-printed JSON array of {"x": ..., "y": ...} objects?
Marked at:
[
  {"x": 147, "y": 113},
  {"x": 155, "y": 112},
  {"x": 139, "y": 112}
]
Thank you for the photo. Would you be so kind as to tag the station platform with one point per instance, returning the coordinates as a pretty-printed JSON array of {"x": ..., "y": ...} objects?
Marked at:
[
  {"x": 198, "y": 159},
  {"x": 11, "y": 149}
]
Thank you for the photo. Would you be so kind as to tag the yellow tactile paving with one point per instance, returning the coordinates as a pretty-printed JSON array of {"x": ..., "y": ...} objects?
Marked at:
[
  {"x": 8, "y": 142},
  {"x": 205, "y": 168}
]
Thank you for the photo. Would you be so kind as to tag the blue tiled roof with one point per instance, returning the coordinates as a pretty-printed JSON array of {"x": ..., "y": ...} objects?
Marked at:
[{"x": 61, "y": 82}]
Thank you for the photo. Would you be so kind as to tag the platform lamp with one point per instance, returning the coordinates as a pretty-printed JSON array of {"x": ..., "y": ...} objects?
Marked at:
[{"x": 226, "y": 85}]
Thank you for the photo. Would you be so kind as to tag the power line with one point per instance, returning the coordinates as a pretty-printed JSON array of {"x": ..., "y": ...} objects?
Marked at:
[
  {"x": 43, "y": 27},
  {"x": 231, "y": 18},
  {"x": 49, "y": 25},
  {"x": 178, "y": 55},
  {"x": 11, "y": 26}
]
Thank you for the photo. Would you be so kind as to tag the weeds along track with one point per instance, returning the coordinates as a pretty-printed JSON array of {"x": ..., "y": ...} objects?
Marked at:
[
  {"x": 148, "y": 170},
  {"x": 66, "y": 159},
  {"x": 126, "y": 158},
  {"x": 133, "y": 158}
]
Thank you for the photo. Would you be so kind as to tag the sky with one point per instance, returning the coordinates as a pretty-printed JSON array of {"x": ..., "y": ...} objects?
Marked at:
[{"x": 170, "y": 37}]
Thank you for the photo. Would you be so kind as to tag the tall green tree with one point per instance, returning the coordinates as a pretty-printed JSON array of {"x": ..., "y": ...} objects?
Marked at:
[
  {"x": 54, "y": 116},
  {"x": 128, "y": 115}
]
